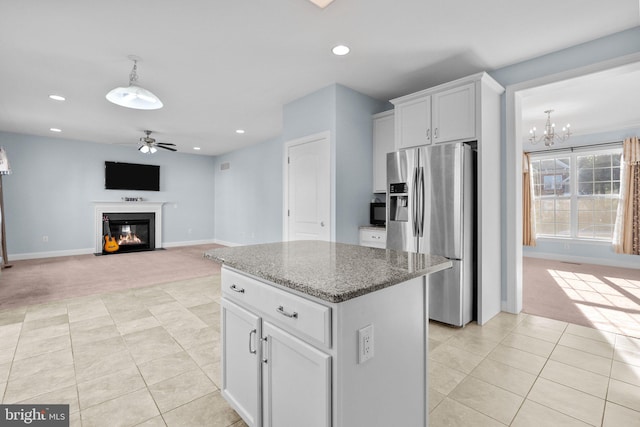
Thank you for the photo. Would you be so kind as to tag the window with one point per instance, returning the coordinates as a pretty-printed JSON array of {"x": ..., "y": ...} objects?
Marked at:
[{"x": 576, "y": 193}]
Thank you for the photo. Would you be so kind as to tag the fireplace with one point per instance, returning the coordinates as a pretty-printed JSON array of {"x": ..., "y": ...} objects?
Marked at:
[
  {"x": 119, "y": 210},
  {"x": 131, "y": 231}
]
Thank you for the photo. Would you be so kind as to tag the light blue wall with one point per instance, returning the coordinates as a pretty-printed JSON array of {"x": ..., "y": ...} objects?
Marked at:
[
  {"x": 245, "y": 215},
  {"x": 311, "y": 114},
  {"x": 354, "y": 160},
  {"x": 54, "y": 182},
  {"x": 249, "y": 194}
]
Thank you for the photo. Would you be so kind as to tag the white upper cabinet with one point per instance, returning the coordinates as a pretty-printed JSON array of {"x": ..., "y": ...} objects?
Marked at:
[
  {"x": 454, "y": 114},
  {"x": 413, "y": 123},
  {"x": 445, "y": 113},
  {"x": 383, "y": 143}
]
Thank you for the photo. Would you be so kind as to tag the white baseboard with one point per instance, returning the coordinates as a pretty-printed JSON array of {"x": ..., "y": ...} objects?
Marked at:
[
  {"x": 188, "y": 243},
  {"x": 50, "y": 254},
  {"x": 88, "y": 251},
  {"x": 584, "y": 260},
  {"x": 222, "y": 242}
]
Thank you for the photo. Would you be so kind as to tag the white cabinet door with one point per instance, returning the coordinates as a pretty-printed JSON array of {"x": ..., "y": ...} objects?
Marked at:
[
  {"x": 413, "y": 123},
  {"x": 241, "y": 352},
  {"x": 383, "y": 143},
  {"x": 454, "y": 114},
  {"x": 296, "y": 381}
]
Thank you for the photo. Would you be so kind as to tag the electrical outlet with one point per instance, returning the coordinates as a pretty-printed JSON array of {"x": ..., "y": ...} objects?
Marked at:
[{"x": 365, "y": 343}]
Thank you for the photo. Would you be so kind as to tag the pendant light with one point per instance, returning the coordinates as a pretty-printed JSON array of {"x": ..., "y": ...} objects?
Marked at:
[{"x": 134, "y": 96}]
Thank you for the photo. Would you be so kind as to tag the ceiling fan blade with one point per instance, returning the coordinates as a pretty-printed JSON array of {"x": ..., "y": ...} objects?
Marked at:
[
  {"x": 166, "y": 148},
  {"x": 165, "y": 143}
]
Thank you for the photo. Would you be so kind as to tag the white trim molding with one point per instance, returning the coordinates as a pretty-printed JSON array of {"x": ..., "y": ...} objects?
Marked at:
[{"x": 100, "y": 208}]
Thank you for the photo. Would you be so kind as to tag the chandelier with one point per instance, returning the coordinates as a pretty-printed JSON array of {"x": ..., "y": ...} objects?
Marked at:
[{"x": 550, "y": 137}]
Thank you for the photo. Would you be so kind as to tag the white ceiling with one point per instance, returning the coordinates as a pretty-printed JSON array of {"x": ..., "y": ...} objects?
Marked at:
[
  {"x": 594, "y": 103},
  {"x": 223, "y": 65}
]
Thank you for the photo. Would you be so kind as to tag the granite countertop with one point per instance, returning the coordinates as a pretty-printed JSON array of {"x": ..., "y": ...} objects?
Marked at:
[{"x": 333, "y": 272}]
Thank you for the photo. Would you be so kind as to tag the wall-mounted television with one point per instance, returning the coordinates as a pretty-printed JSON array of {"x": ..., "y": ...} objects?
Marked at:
[{"x": 131, "y": 176}]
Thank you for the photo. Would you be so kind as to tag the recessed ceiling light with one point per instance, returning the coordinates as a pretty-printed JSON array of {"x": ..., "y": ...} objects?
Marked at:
[
  {"x": 196, "y": 148},
  {"x": 55, "y": 130},
  {"x": 239, "y": 130},
  {"x": 340, "y": 50},
  {"x": 57, "y": 97}
]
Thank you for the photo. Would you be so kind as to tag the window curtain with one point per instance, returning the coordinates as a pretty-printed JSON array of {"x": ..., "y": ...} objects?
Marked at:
[
  {"x": 528, "y": 209},
  {"x": 626, "y": 234}
]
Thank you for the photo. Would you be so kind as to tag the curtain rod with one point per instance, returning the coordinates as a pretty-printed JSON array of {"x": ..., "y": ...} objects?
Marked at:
[{"x": 572, "y": 149}]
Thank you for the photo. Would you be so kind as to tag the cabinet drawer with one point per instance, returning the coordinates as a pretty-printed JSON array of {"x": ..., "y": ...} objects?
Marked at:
[
  {"x": 297, "y": 314},
  {"x": 240, "y": 288},
  {"x": 373, "y": 238}
]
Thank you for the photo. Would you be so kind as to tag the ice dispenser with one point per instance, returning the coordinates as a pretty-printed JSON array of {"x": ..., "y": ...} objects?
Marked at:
[{"x": 398, "y": 202}]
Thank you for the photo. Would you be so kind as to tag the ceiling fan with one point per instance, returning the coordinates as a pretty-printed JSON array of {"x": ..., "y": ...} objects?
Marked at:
[{"x": 149, "y": 144}]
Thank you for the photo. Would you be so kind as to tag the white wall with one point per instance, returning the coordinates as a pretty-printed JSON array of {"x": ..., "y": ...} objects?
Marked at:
[{"x": 55, "y": 180}]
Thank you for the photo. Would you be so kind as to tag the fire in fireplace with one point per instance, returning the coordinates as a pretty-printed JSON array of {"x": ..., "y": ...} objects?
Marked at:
[
  {"x": 129, "y": 237},
  {"x": 132, "y": 231}
]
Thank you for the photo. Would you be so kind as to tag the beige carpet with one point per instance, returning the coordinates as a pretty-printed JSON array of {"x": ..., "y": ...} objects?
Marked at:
[
  {"x": 50, "y": 279},
  {"x": 605, "y": 298}
]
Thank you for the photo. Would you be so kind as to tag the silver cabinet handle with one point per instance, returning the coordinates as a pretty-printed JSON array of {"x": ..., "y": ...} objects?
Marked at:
[
  {"x": 429, "y": 133},
  {"x": 237, "y": 289},
  {"x": 264, "y": 350},
  {"x": 293, "y": 315},
  {"x": 252, "y": 351},
  {"x": 435, "y": 133}
]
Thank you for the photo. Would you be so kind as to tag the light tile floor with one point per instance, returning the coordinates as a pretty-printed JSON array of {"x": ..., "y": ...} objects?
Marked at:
[
  {"x": 143, "y": 357},
  {"x": 532, "y": 371},
  {"x": 150, "y": 357}
]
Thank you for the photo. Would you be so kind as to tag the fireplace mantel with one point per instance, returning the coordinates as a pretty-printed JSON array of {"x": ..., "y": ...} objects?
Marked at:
[{"x": 100, "y": 208}]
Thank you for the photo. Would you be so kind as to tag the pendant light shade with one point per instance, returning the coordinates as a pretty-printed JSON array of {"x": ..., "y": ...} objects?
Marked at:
[{"x": 134, "y": 96}]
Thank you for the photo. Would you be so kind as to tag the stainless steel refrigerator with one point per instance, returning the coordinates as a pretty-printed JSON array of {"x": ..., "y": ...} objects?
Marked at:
[{"x": 431, "y": 209}]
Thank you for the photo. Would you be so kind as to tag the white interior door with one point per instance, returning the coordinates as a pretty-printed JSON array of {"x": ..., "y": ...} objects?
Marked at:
[{"x": 308, "y": 189}]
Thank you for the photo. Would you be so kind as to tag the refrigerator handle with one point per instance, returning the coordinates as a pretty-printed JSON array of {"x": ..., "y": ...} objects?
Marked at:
[
  {"x": 414, "y": 210},
  {"x": 422, "y": 197}
]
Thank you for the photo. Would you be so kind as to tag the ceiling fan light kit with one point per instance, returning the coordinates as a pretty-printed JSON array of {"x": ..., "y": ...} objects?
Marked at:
[
  {"x": 134, "y": 96},
  {"x": 150, "y": 146}
]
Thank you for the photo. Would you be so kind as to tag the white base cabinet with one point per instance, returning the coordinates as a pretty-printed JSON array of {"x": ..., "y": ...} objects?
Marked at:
[
  {"x": 373, "y": 237},
  {"x": 241, "y": 363},
  {"x": 286, "y": 364},
  {"x": 296, "y": 381}
]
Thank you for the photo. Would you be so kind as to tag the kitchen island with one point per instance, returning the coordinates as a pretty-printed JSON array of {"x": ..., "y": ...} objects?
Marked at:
[{"x": 325, "y": 334}]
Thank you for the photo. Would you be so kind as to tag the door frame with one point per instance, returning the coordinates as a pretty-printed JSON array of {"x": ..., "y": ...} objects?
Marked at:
[
  {"x": 285, "y": 181},
  {"x": 512, "y": 253}
]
